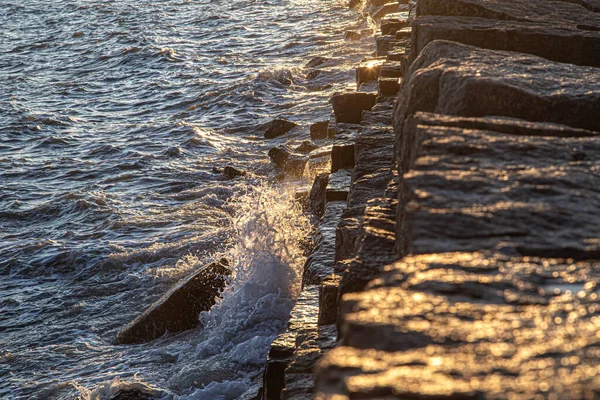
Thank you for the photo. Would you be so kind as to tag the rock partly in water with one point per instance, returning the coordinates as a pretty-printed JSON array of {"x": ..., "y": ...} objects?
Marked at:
[
  {"x": 288, "y": 161},
  {"x": 232, "y": 172},
  {"x": 306, "y": 147},
  {"x": 317, "y": 195},
  {"x": 348, "y": 107},
  {"x": 278, "y": 127},
  {"x": 179, "y": 308},
  {"x": 318, "y": 130}
]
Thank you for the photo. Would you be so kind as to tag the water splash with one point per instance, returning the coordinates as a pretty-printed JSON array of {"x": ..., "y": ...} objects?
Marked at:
[{"x": 268, "y": 259}]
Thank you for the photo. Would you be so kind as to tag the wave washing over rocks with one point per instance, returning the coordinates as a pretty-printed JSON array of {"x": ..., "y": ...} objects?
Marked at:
[{"x": 134, "y": 151}]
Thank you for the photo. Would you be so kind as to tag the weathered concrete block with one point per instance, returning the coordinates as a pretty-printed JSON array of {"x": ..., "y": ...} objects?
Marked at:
[{"x": 456, "y": 79}]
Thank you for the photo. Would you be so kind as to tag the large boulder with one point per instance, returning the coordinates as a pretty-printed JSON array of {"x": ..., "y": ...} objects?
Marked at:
[
  {"x": 278, "y": 127},
  {"x": 554, "y": 42},
  {"x": 549, "y": 12},
  {"x": 455, "y": 79},
  {"x": 178, "y": 309}
]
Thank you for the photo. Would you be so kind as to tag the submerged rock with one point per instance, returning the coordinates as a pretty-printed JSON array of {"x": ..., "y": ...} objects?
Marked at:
[
  {"x": 316, "y": 61},
  {"x": 278, "y": 127},
  {"x": 178, "y": 309}
]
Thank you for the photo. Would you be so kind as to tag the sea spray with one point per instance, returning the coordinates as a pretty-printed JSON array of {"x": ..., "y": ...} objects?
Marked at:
[{"x": 267, "y": 259}]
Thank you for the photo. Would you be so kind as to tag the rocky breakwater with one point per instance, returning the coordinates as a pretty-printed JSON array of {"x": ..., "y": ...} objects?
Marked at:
[
  {"x": 494, "y": 217},
  {"x": 458, "y": 253}
]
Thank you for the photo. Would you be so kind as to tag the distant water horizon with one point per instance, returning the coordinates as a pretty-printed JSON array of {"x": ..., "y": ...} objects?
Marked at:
[{"x": 114, "y": 117}]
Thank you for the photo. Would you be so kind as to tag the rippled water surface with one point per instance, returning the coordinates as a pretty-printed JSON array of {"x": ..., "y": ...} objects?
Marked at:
[{"x": 113, "y": 115}]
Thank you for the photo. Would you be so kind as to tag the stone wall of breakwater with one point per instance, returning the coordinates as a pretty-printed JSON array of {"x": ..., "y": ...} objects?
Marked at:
[{"x": 458, "y": 245}]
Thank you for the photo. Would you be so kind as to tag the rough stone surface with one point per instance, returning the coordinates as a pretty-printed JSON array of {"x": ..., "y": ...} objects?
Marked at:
[
  {"x": 487, "y": 187},
  {"x": 474, "y": 189},
  {"x": 320, "y": 264},
  {"x": 348, "y": 107},
  {"x": 557, "y": 43},
  {"x": 292, "y": 163},
  {"x": 470, "y": 325},
  {"x": 455, "y": 79},
  {"x": 179, "y": 308},
  {"x": 316, "y": 201},
  {"x": 550, "y": 12},
  {"x": 338, "y": 186},
  {"x": 278, "y": 127}
]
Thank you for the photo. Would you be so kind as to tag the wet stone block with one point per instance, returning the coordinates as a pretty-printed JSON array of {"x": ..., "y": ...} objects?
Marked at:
[
  {"x": 178, "y": 309},
  {"x": 368, "y": 70},
  {"x": 384, "y": 10},
  {"x": 383, "y": 44},
  {"x": 318, "y": 130},
  {"x": 342, "y": 155},
  {"x": 392, "y": 69},
  {"x": 348, "y": 107},
  {"x": 392, "y": 23},
  {"x": 338, "y": 186},
  {"x": 470, "y": 325},
  {"x": 527, "y": 194},
  {"x": 320, "y": 264},
  {"x": 389, "y": 86},
  {"x": 328, "y": 300},
  {"x": 404, "y": 33},
  {"x": 278, "y": 127},
  {"x": 531, "y": 88}
]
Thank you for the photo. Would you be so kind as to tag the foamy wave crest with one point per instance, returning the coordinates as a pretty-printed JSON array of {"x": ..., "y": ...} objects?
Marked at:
[
  {"x": 285, "y": 76},
  {"x": 268, "y": 260},
  {"x": 117, "y": 386}
]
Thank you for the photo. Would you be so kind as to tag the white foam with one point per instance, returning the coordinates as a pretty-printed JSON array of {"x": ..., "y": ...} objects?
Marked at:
[{"x": 267, "y": 260}]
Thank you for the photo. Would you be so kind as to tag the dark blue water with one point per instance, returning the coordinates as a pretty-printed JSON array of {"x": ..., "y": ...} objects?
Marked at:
[{"x": 112, "y": 117}]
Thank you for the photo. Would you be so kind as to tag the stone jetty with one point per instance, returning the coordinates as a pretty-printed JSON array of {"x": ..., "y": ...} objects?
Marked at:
[{"x": 458, "y": 250}]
